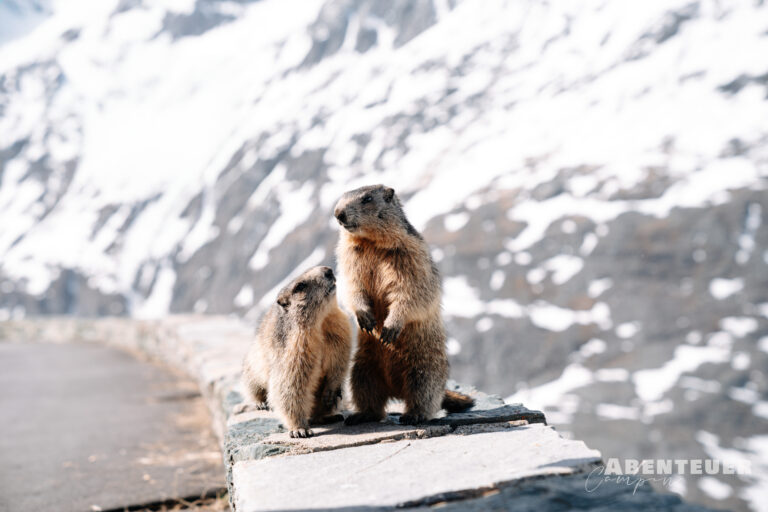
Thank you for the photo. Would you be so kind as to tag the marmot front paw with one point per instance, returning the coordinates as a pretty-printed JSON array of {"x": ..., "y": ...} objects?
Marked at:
[
  {"x": 366, "y": 321},
  {"x": 301, "y": 432},
  {"x": 412, "y": 419},
  {"x": 390, "y": 334},
  {"x": 361, "y": 417}
]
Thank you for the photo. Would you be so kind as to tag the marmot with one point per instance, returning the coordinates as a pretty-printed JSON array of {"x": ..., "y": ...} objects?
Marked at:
[
  {"x": 299, "y": 359},
  {"x": 394, "y": 290}
]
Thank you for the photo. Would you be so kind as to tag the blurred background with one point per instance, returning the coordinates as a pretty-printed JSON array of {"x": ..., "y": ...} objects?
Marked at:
[{"x": 591, "y": 177}]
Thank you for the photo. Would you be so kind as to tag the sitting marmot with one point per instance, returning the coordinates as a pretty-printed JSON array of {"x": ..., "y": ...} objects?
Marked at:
[{"x": 299, "y": 359}]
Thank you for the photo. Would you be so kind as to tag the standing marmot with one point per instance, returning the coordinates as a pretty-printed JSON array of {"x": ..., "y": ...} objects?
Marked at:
[
  {"x": 393, "y": 287},
  {"x": 299, "y": 359}
]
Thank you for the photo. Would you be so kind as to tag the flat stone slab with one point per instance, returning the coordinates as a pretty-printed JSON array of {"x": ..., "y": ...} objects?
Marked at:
[
  {"x": 405, "y": 472},
  {"x": 263, "y": 428},
  {"x": 338, "y": 435}
]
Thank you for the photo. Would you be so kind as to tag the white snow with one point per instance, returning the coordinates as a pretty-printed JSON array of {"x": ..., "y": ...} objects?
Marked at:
[
  {"x": 627, "y": 329},
  {"x": 724, "y": 288},
  {"x": 564, "y": 267},
  {"x": 147, "y": 115},
  {"x": 597, "y": 287},
  {"x": 455, "y": 221},
  {"x": 738, "y": 326},
  {"x": 698, "y": 384},
  {"x": 740, "y": 361},
  {"x": 714, "y": 488},
  {"x": 568, "y": 226},
  {"x": 523, "y": 258},
  {"x": 297, "y": 201},
  {"x": 760, "y": 409},
  {"x": 677, "y": 485},
  {"x": 554, "y": 318},
  {"x": 747, "y": 238},
  {"x": 592, "y": 347},
  {"x": 561, "y": 268},
  {"x": 612, "y": 375},
  {"x": 554, "y": 393},
  {"x": 589, "y": 244},
  {"x": 750, "y": 456},
  {"x": 158, "y": 302},
  {"x": 485, "y": 324},
  {"x": 244, "y": 297},
  {"x": 693, "y": 337},
  {"x": 310, "y": 261},
  {"x": 652, "y": 384},
  {"x": 497, "y": 280},
  {"x": 744, "y": 395},
  {"x": 617, "y": 412},
  {"x": 453, "y": 347},
  {"x": 503, "y": 258},
  {"x": 462, "y": 300},
  {"x": 535, "y": 275}
]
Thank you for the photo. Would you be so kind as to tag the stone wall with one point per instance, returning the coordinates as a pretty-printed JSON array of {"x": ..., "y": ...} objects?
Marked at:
[{"x": 494, "y": 455}]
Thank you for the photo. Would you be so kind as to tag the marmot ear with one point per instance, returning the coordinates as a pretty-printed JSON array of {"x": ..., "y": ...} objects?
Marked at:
[
  {"x": 284, "y": 300},
  {"x": 389, "y": 193}
]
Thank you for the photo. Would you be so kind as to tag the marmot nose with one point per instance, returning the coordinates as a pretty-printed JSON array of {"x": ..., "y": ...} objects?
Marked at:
[
  {"x": 341, "y": 216},
  {"x": 328, "y": 273}
]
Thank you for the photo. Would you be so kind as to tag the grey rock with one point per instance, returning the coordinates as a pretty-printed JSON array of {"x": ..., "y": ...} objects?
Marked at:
[
  {"x": 571, "y": 492},
  {"x": 405, "y": 472}
]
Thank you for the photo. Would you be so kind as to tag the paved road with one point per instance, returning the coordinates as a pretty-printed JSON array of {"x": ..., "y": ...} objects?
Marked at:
[{"x": 86, "y": 427}]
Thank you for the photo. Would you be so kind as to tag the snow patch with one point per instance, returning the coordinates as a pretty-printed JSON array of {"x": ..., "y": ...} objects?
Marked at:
[
  {"x": 452, "y": 346},
  {"x": 159, "y": 301},
  {"x": 652, "y": 384},
  {"x": 244, "y": 297},
  {"x": 497, "y": 280},
  {"x": 295, "y": 210},
  {"x": 714, "y": 488},
  {"x": 617, "y": 412},
  {"x": 554, "y": 318},
  {"x": 597, "y": 287},
  {"x": 738, "y": 326},
  {"x": 455, "y": 221},
  {"x": 562, "y": 268},
  {"x": 552, "y": 393},
  {"x": 721, "y": 288},
  {"x": 627, "y": 329},
  {"x": 592, "y": 347}
]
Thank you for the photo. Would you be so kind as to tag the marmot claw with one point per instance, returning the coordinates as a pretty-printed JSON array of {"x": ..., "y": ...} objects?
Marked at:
[
  {"x": 389, "y": 334},
  {"x": 301, "y": 432},
  {"x": 366, "y": 321}
]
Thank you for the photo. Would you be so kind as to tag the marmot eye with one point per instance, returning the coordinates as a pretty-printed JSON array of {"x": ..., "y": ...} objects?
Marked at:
[
  {"x": 299, "y": 287},
  {"x": 367, "y": 199}
]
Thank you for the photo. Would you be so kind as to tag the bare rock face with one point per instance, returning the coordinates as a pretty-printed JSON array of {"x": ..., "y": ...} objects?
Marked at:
[{"x": 596, "y": 203}]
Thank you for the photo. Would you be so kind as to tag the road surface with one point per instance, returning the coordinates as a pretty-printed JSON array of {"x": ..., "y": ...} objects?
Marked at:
[{"x": 87, "y": 427}]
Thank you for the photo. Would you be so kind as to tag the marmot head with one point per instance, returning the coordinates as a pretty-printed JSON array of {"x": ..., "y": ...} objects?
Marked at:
[
  {"x": 310, "y": 296},
  {"x": 371, "y": 211}
]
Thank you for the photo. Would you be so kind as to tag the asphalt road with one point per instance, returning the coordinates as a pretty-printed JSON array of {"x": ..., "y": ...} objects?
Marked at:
[{"x": 86, "y": 427}]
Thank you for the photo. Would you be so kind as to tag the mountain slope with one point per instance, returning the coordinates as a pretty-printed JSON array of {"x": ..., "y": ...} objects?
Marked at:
[{"x": 592, "y": 179}]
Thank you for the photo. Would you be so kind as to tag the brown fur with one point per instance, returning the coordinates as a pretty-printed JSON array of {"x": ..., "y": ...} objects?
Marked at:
[
  {"x": 394, "y": 289},
  {"x": 299, "y": 359}
]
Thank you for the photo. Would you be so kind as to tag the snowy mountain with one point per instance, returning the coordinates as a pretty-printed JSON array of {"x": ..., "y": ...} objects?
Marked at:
[{"x": 591, "y": 176}]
